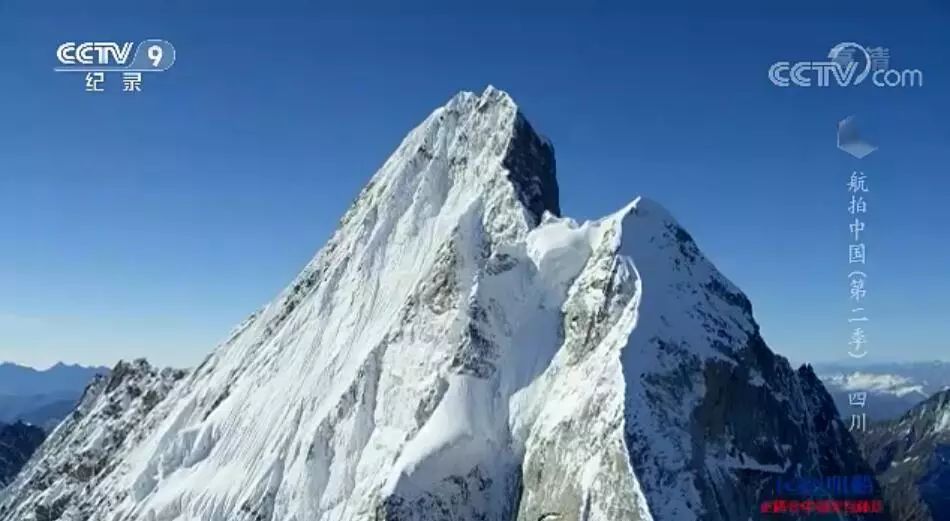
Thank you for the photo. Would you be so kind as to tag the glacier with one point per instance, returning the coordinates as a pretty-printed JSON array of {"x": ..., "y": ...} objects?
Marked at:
[{"x": 459, "y": 350}]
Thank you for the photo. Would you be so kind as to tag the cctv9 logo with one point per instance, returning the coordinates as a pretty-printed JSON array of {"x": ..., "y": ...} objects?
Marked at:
[{"x": 151, "y": 55}]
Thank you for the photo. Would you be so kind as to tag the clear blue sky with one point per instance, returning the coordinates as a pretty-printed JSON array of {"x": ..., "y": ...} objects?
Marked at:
[{"x": 149, "y": 225}]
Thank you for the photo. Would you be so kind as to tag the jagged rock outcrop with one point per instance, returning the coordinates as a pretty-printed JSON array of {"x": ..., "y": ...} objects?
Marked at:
[{"x": 458, "y": 351}]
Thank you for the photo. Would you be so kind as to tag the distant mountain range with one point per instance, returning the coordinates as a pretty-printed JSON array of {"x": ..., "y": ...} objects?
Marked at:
[
  {"x": 911, "y": 457},
  {"x": 42, "y": 397},
  {"x": 893, "y": 388},
  {"x": 32, "y": 403}
]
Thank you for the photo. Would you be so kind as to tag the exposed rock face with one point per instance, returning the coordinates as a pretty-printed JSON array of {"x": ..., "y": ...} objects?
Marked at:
[
  {"x": 459, "y": 352},
  {"x": 17, "y": 443},
  {"x": 912, "y": 458}
]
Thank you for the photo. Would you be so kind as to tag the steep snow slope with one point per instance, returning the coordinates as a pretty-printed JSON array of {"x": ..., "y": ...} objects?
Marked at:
[{"x": 459, "y": 351}]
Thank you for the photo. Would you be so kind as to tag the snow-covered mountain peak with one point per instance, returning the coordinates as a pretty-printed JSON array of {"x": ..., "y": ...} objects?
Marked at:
[
  {"x": 459, "y": 351},
  {"x": 469, "y": 145}
]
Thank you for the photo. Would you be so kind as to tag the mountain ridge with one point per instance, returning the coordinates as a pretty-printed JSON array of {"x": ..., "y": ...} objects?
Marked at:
[{"x": 16, "y": 379}]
